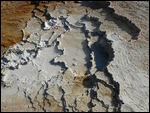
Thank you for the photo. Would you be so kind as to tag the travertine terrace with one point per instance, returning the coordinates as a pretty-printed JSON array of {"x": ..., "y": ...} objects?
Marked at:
[{"x": 75, "y": 56}]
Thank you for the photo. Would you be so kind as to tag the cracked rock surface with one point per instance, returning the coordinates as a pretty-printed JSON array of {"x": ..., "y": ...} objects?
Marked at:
[{"x": 77, "y": 57}]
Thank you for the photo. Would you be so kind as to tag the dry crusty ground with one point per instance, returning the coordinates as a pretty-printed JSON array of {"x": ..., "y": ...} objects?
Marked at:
[
  {"x": 14, "y": 16},
  {"x": 138, "y": 13}
]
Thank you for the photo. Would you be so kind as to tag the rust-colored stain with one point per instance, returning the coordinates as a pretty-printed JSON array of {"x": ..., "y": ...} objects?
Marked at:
[
  {"x": 77, "y": 85},
  {"x": 104, "y": 91},
  {"x": 14, "y": 16},
  {"x": 71, "y": 11}
]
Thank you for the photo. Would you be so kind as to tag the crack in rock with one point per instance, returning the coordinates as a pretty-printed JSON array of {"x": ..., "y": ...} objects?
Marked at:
[
  {"x": 63, "y": 101},
  {"x": 64, "y": 60}
]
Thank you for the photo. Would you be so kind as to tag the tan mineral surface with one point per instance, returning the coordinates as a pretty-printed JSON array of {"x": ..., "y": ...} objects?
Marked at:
[{"x": 75, "y": 56}]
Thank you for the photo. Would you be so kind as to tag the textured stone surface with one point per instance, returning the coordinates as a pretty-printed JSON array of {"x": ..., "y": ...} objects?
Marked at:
[
  {"x": 77, "y": 57},
  {"x": 14, "y": 16}
]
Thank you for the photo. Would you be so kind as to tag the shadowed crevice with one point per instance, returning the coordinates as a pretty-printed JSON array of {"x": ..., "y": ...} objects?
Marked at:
[{"x": 121, "y": 21}]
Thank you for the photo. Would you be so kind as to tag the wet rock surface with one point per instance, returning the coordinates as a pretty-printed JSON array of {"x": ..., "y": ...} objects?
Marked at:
[{"x": 76, "y": 57}]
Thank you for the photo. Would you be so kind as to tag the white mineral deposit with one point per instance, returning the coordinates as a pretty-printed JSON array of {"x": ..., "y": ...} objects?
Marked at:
[{"x": 81, "y": 57}]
